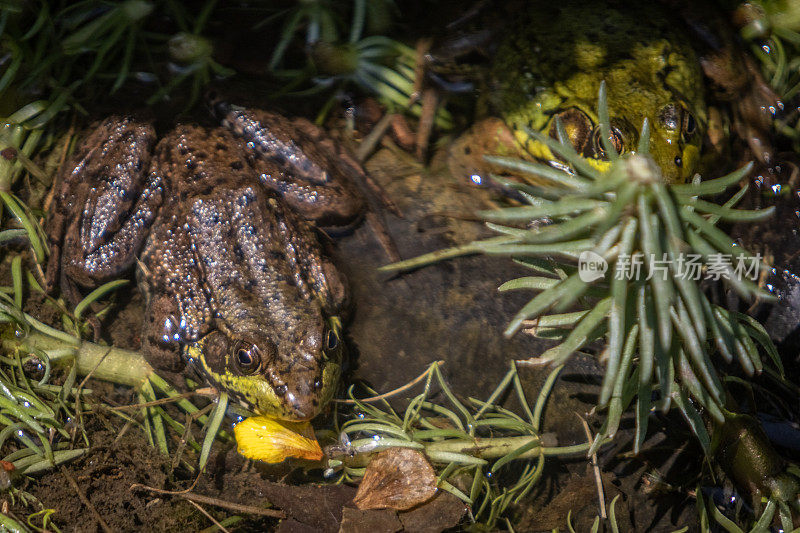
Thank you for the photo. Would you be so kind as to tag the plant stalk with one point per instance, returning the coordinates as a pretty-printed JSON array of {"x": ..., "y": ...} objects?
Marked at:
[
  {"x": 480, "y": 448},
  {"x": 108, "y": 363}
]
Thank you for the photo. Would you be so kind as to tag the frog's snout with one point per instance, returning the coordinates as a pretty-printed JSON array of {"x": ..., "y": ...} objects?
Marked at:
[
  {"x": 301, "y": 411},
  {"x": 299, "y": 389},
  {"x": 303, "y": 399},
  {"x": 690, "y": 160},
  {"x": 679, "y": 166}
]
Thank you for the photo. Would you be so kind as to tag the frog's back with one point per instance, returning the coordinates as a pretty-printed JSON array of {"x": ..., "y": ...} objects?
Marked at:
[{"x": 551, "y": 43}]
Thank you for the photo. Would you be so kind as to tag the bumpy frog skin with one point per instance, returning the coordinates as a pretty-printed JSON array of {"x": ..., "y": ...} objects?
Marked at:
[
  {"x": 235, "y": 279},
  {"x": 553, "y": 61}
]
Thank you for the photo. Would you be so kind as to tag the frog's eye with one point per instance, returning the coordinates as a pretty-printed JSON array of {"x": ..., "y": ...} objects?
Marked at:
[
  {"x": 331, "y": 340},
  {"x": 689, "y": 124},
  {"x": 247, "y": 356},
  {"x": 617, "y": 140},
  {"x": 577, "y": 125},
  {"x": 670, "y": 117}
]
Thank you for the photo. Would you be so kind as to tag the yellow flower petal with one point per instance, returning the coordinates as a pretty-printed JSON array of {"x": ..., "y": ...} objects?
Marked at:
[{"x": 272, "y": 441}]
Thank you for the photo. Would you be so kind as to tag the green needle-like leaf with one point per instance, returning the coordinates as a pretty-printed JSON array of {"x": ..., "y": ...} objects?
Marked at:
[
  {"x": 715, "y": 186},
  {"x": 644, "y": 138},
  {"x": 533, "y": 212},
  {"x": 565, "y": 149},
  {"x": 623, "y": 376},
  {"x": 572, "y": 228},
  {"x": 695, "y": 349},
  {"x": 554, "y": 175},
  {"x": 605, "y": 123},
  {"x": 734, "y": 215},
  {"x": 724, "y": 339},
  {"x": 532, "y": 282},
  {"x": 617, "y": 330},
  {"x": 212, "y": 428},
  {"x": 583, "y": 333},
  {"x": 544, "y": 301},
  {"x": 701, "y": 393},
  {"x": 694, "y": 420},
  {"x": 96, "y": 294},
  {"x": 647, "y": 335},
  {"x": 663, "y": 292},
  {"x": 758, "y": 333},
  {"x": 643, "y": 405}
]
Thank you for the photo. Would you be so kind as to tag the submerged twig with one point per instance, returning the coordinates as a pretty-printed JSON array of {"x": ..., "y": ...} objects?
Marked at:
[
  {"x": 199, "y": 498},
  {"x": 598, "y": 479},
  {"x": 208, "y": 515},
  {"x": 391, "y": 393}
]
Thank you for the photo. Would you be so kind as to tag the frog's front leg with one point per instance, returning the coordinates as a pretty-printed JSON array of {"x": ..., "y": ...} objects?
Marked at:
[
  {"x": 106, "y": 200},
  {"x": 160, "y": 333},
  {"x": 177, "y": 308}
]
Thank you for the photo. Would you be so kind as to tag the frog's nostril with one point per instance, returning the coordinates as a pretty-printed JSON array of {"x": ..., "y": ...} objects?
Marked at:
[{"x": 678, "y": 161}]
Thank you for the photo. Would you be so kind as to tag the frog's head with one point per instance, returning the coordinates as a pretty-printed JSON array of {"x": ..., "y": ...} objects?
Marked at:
[
  {"x": 645, "y": 77},
  {"x": 294, "y": 385},
  {"x": 674, "y": 137}
]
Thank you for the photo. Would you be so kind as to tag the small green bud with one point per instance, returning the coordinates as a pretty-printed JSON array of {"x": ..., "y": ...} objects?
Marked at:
[{"x": 188, "y": 48}]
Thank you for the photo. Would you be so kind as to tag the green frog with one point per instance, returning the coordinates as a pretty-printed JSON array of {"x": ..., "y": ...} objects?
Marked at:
[
  {"x": 220, "y": 223},
  {"x": 550, "y": 64}
]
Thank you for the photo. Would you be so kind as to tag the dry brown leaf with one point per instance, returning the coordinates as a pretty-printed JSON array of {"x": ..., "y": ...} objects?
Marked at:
[{"x": 397, "y": 478}]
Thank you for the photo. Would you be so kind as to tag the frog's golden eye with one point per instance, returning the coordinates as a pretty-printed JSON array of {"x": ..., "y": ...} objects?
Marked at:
[
  {"x": 617, "y": 140},
  {"x": 331, "y": 341},
  {"x": 689, "y": 124},
  {"x": 247, "y": 357},
  {"x": 577, "y": 125},
  {"x": 670, "y": 117}
]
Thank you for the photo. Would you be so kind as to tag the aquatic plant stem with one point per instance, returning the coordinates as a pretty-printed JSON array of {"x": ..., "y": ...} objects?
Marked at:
[
  {"x": 108, "y": 363},
  {"x": 480, "y": 449}
]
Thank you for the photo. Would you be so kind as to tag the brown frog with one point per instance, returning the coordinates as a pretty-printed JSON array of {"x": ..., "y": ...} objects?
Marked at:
[{"x": 220, "y": 223}]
